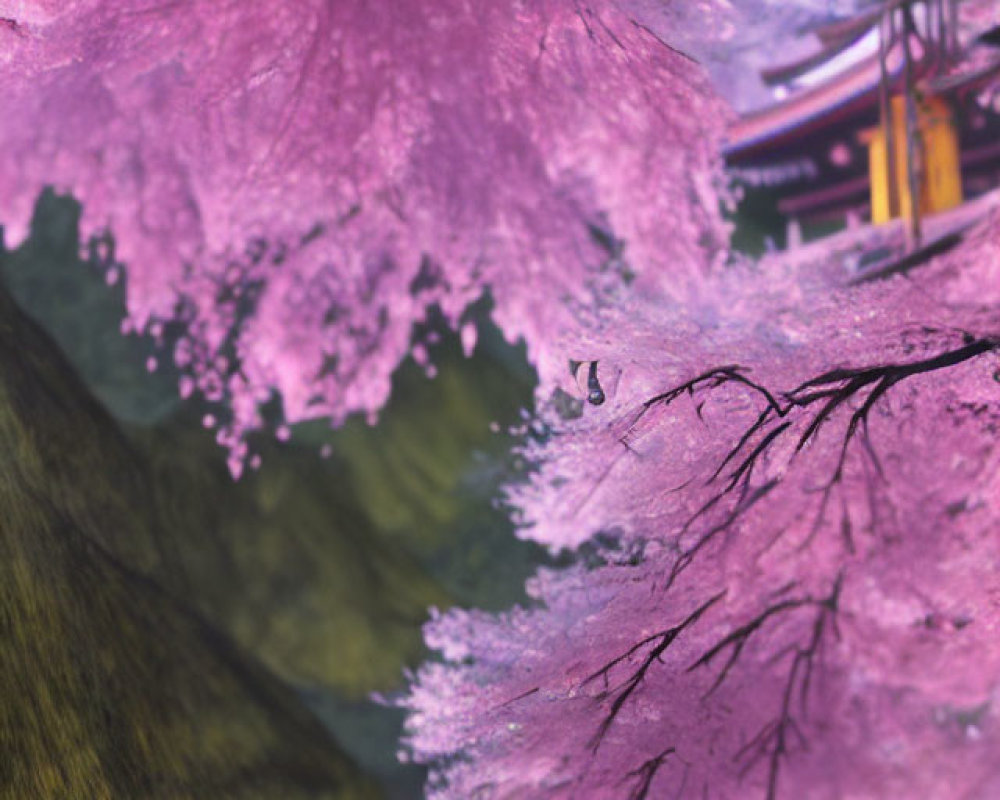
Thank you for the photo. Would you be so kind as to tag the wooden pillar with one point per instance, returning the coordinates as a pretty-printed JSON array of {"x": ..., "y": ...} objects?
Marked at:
[
  {"x": 940, "y": 177},
  {"x": 915, "y": 155},
  {"x": 793, "y": 234},
  {"x": 888, "y": 205}
]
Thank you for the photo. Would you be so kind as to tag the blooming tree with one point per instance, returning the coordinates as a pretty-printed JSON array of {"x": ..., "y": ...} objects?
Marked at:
[
  {"x": 787, "y": 487},
  {"x": 796, "y": 595},
  {"x": 298, "y": 182}
]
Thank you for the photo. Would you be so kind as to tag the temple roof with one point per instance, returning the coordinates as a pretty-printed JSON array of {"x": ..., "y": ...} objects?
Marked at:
[
  {"x": 839, "y": 82},
  {"x": 809, "y": 109}
]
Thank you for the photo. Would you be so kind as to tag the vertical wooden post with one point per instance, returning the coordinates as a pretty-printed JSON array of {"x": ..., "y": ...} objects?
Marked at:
[
  {"x": 914, "y": 156},
  {"x": 953, "y": 28},
  {"x": 793, "y": 234},
  {"x": 885, "y": 113},
  {"x": 942, "y": 30}
]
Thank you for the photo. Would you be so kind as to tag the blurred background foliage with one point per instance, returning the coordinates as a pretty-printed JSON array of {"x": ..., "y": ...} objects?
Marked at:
[{"x": 192, "y": 628}]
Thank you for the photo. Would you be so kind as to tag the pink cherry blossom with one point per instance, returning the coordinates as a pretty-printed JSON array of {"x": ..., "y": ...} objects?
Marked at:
[
  {"x": 299, "y": 181},
  {"x": 793, "y": 593}
]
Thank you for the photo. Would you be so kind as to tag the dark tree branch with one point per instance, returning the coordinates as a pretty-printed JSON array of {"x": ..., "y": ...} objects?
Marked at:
[
  {"x": 686, "y": 557},
  {"x": 803, "y": 412},
  {"x": 737, "y": 639},
  {"x": 645, "y": 773},
  {"x": 772, "y": 741},
  {"x": 660, "y": 641},
  {"x": 819, "y": 397}
]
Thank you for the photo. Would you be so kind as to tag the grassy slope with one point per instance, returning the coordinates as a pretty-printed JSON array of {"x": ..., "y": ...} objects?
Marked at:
[{"x": 110, "y": 686}]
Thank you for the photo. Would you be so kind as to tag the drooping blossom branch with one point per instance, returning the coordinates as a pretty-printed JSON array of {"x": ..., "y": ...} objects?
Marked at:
[
  {"x": 299, "y": 182},
  {"x": 726, "y": 635}
]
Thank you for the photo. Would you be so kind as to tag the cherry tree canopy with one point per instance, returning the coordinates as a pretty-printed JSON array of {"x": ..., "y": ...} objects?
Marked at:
[
  {"x": 796, "y": 596},
  {"x": 298, "y": 181},
  {"x": 796, "y": 589}
]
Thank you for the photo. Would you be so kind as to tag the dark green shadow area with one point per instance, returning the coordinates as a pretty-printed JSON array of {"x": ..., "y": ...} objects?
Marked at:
[
  {"x": 757, "y": 222},
  {"x": 66, "y": 292},
  {"x": 429, "y": 471},
  {"x": 192, "y": 626},
  {"x": 112, "y": 683}
]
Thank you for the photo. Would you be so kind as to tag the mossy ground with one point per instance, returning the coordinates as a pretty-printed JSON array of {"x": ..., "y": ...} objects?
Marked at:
[
  {"x": 165, "y": 627},
  {"x": 112, "y": 684}
]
